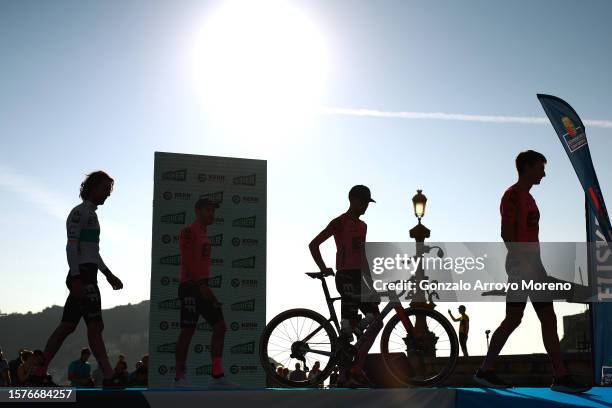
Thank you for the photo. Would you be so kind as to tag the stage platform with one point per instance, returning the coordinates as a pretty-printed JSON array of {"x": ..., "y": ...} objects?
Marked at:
[{"x": 294, "y": 398}]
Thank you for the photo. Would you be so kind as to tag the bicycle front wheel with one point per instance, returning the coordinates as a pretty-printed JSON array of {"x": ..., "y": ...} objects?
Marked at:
[
  {"x": 422, "y": 355},
  {"x": 295, "y": 341}
]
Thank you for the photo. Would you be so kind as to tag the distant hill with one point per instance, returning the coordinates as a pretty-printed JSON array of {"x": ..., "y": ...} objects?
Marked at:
[{"x": 126, "y": 331}]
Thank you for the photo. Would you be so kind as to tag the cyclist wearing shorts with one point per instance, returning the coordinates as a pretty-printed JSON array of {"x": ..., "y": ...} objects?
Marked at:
[
  {"x": 84, "y": 260},
  {"x": 349, "y": 234},
  {"x": 196, "y": 297},
  {"x": 520, "y": 223}
]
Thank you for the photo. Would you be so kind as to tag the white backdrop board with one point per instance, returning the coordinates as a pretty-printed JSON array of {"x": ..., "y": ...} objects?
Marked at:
[{"x": 238, "y": 272}]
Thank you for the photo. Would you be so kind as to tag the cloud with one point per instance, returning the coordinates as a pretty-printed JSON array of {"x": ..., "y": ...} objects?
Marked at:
[
  {"x": 531, "y": 120},
  {"x": 53, "y": 204}
]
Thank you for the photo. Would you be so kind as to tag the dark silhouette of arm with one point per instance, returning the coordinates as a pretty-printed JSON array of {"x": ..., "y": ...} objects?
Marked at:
[{"x": 314, "y": 247}]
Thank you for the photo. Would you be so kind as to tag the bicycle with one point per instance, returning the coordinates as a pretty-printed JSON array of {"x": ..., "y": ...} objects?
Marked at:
[{"x": 412, "y": 353}]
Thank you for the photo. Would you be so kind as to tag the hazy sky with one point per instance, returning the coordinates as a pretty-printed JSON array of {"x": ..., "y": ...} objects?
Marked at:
[{"x": 91, "y": 84}]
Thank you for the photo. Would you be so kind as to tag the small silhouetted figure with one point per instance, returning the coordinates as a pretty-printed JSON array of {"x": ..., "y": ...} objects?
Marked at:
[
  {"x": 314, "y": 372},
  {"x": 464, "y": 328},
  {"x": 333, "y": 378},
  {"x": 297, "y": 374},
  {"x": 79, "y": 371}
]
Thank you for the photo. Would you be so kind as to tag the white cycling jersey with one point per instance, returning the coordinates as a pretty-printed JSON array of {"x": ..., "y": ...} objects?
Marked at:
[{"x": 83, "y": 237}]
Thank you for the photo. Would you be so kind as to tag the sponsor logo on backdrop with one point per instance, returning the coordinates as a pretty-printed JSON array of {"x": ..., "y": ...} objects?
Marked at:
[
  {"x": 168, "y": 195},
  {"x": 247, "y": 326},
  {"x": 173, "y": 325},
  {"x": 245, "y": 283},
  {"x": 245, "y": 306},
  {"x": 249, "y": 242},
  {"x": 245, "y": 348},
  {"x": 166, "y": 348},
  {"x": 170, "y": 304},
  {"x": 166, "y": 238},
  {"x": 215, "y": 281},
  {"x": 219, "y": 220},
  {"x": 199, "y": 348},
  {"x": 237, "y": 199},
  {"x": 204, "y": 326},
  {"x": 211, "y": 178},
  {"x": 216, "y": 240},
  {"x": 216, "y": 261},
  {"x": 216, "y": 197},
  {"x": 166, "y": 280},
  {"x": 163, "y": 370},
  {"x": 244, "y": 180},
  {"x": 176, "y": 175},
  {"x": 245, "y": 222},
  {"x": 205, "y": 369},
  {"x": 178, "y": 218},
  {"x": 244, "y": 263},
  {"x": 170, "y": 260},
  {"x": 247, "y": 369}
]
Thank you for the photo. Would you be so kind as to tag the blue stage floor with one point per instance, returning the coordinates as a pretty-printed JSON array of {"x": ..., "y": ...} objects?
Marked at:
[
  {"x": 295, "y": 398},
  {"x": 531, "y": 397}
]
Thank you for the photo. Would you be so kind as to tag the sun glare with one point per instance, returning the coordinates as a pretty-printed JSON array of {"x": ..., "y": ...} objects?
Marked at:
[{"x": 261, "y": 67}]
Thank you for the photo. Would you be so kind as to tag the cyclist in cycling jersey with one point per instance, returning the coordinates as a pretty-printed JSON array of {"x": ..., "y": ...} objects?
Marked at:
[
  {"x": 520, "y": 223},
  {"x": 197, "y": 298},
  {"x": 84, "y": 261},
  {"x": 349, "y": 233}
]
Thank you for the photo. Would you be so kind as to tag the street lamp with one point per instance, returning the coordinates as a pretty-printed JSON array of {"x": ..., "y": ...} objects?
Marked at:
[
  {"x": 418, "y": 202},
  {"x": 419, "y": 232}
]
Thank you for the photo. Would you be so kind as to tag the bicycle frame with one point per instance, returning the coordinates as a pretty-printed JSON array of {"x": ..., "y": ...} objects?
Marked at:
[{"x": 394, "y": 304}]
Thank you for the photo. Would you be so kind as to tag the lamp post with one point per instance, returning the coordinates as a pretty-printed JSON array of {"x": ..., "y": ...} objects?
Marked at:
[{"x": 419, "y": 232}]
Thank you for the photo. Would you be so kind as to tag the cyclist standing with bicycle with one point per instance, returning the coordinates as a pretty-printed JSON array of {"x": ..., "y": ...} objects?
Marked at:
[{"x": 349, "y": 233}]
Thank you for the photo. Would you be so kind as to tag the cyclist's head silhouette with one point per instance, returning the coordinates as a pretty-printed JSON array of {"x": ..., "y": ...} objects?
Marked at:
[
  {"x": 461, "y": 309},
  {"x": 205, "y": 210},
  {"x": 97, "y": 187},
  {"x": 360, "y": 197},
  {"x": 530, "y": 166}
]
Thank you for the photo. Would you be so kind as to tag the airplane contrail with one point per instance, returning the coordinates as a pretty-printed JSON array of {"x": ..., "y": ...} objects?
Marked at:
[
  {"x": 53, "y": 204},
  {"x": 531, "y": 120}
]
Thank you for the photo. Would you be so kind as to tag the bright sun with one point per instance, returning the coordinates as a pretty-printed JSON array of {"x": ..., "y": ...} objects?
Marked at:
[{"x": 261, "y": 66}]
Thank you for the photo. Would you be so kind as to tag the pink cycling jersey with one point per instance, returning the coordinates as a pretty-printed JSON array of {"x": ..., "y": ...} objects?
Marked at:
[
  {"x": 350, "y": 235},
  {"x": 195, "y": 253}
]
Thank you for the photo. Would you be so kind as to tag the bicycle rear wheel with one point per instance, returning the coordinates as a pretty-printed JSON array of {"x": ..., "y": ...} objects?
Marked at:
[
  {"x": 424, "y": 359},
  {"x": 298, "y": 336}
]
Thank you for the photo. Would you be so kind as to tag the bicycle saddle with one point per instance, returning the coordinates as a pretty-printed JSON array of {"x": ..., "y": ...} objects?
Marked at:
[{"x": 318, "y": 275}]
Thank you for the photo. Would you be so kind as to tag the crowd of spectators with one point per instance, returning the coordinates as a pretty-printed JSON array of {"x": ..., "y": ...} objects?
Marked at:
[
  {"x": 27, "y": 370},
  {"x": 298, "y": 374}
]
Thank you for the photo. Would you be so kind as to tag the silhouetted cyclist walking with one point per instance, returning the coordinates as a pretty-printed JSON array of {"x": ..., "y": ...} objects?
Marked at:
[
  {"x": 520, "y": 223},
  {"x": 84, "y": 260},
  {"x": 197, "y": 299}
]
